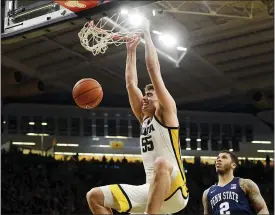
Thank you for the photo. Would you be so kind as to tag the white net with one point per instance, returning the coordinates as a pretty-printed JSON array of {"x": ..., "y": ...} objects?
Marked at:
[{"x": 96, "y": 37}]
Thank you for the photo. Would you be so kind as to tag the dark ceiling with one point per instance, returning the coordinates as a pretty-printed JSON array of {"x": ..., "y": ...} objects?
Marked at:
[{"x": 228, "y": 67}]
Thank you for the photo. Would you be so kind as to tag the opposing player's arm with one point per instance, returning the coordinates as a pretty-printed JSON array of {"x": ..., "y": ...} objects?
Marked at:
[
  {"x": 135, "y": 94},
  {"x": 253, "y": 192},
  {"x": 204, "y": 202},
  {"x": 152, "y": 63}
]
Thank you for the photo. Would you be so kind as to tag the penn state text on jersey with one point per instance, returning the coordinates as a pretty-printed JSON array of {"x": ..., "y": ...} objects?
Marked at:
[{"x": 229, "y": 199}]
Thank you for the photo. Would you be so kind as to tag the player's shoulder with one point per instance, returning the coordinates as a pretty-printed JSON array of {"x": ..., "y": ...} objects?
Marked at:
[
  {"x": 246, "y": 179},
  {"x": 246, "y": 183},
  {"x": 242, "y": 182},
  {"x": 205, "y": 192}
]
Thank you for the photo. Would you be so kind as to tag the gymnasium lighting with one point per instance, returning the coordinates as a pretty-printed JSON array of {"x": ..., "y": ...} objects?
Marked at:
[
  {"x": 231, "y": 150},
  {"x": 158, "y": 12},
  {"x": 116, "y": 137},
  {"x": 261, "y": 142},
  {"x": 124, "y": 11},
  {"x": 240, "y": 158},
  {"x": 61, "y": 144},
  {"x": 24, "y": 143},
  {"x": 65, "y": 153},
  {"x": 188, "y": 148},
  {"x": 104, "y": 146},
  {"x": 266, "y": 151},
  {"x": 157, "y": 32},
  {"x": 31, "y": 123},
  {"x": 181, "y": 48},
  {"x": 135, "y": 19},
  {"x": 187, "y": 156},
  {"x": 44, "y": 123},
  {"x": 209, "y": 157},
  {"x": 168, "y": 40},
  {"x": 198, "y": 140},
  {"x": 67, "y": 144},
  {"x": 187, "y": 139},
  {"x": 100, "y": 146},
  {"x": 73, "y": 145},
  {"x": 198, "y": 149},
  {"x": 36, "y": 134},
  {"x": 255, "y": 159}
]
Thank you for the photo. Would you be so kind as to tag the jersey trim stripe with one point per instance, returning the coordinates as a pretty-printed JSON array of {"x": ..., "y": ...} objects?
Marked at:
[
  {"x": 177, "y": 185},
  {"x": 179, "y": 188},
  {"x": 163, "y": 124},
  {"x": 121, "y": 197},
  {"x": 174, "y": 137}
]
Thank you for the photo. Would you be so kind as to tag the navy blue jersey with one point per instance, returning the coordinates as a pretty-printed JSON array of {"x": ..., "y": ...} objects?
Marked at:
[{"x": 229, "y": 199}]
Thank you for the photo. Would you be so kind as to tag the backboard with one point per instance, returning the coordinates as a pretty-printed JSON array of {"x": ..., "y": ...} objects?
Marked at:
[{"x": 23, "y": 19}]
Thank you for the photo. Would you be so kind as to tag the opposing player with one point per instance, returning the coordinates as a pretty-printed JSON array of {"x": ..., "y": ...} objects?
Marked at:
[
  {"x": 165, "y": 190},
  {"x": 232, "y": 195}
]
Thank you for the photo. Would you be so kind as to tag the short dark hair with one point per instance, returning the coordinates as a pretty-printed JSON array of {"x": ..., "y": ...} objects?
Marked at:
[
  {"x": 149, "y": 87},
  {"x": 234, "y": 158}
]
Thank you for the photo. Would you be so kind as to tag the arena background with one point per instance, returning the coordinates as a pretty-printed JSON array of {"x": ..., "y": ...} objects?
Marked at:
[{"x": 220, "y": 72}]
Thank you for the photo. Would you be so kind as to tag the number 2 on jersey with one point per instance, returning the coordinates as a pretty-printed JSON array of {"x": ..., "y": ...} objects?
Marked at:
[
  {"x": 147, "y": 144},
  {"x": 224, "y": 208}
]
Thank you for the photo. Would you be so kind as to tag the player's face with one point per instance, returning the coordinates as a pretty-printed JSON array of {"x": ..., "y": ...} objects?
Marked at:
[
  {"x": 224, "y": 163},
  {"x": 149, "y": 101}
]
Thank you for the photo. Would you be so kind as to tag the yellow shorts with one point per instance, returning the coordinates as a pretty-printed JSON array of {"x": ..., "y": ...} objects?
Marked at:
[{"x": 133, "y": 199}]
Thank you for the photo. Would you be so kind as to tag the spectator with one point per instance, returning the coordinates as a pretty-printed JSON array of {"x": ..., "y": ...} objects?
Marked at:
[{"x": 33, "y": 184}]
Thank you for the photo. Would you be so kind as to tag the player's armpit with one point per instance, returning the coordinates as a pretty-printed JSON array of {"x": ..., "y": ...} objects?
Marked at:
[
  {"x": 255, "y": 197},
  {"x": 204, "y": 202}
]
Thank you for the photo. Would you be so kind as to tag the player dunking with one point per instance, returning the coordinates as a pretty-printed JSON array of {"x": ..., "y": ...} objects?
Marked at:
[
  {"x": 165, "y": 189},
  {"x": 232, "y": 195}
]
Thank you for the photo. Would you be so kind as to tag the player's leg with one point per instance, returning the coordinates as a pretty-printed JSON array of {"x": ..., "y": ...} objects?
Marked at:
[
  {"x": 160, "y": 186},
  {"x": 122, "y": 198},
  {"x": 95, "y": 198}
]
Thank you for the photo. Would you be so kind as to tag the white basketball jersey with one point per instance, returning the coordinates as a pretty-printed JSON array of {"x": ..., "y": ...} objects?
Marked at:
[{"x": 157, "y": 140}]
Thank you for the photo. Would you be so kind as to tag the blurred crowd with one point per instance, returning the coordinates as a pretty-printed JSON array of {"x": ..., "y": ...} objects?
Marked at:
[{"x": 34, "y": 184}]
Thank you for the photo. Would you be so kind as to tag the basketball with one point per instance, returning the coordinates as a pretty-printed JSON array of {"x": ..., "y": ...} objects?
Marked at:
[{"x": 87, "y": 93}]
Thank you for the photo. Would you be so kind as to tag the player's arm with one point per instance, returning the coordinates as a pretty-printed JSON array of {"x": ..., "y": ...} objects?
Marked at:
[
  {"x": 204, "y": 202},
  {"x": 253, "y": 192},
  {"x": 134, "y": 93},
  {"x": 152, "y": 63}
]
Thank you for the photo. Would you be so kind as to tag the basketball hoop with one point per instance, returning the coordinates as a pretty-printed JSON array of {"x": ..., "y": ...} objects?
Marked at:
[{"x": 97, "y": 37}]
